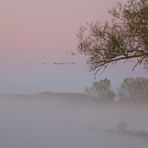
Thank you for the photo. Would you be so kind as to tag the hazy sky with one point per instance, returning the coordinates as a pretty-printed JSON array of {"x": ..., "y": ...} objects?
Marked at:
[
  {"x": 37, "y": 31},
  {"x": 41, "y": 27}
]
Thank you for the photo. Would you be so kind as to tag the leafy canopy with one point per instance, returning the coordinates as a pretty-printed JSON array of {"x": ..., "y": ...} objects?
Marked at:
[
  {"x": 134, "y": 89},
  {"x": 103, "y": 88},
  {"x": 125, "y": 37}
]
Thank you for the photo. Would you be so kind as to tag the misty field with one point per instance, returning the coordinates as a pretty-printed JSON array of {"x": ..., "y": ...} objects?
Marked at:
[{"x": 58, "y": 123}]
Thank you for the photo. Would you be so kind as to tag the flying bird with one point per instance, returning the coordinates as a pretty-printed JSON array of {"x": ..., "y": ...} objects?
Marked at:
[
  {"x": 56, "y": 63},
  {"x": 71, "y": 53},
  {"x": 70, "y": 63},
  {"x": 63, "y": 63}
]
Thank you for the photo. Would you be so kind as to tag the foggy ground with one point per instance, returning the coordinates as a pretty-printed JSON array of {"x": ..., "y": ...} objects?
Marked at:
[{"x": 43, "y": 122}]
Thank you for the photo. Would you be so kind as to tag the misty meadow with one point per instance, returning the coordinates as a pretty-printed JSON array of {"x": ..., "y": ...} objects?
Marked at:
[{"x": 73, "y": 75}]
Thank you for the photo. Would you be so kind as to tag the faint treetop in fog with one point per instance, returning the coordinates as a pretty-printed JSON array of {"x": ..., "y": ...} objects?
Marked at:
[
  {"x": 101, "y": 89},
  {"x": 124, "y": 38},
  {"x": 134, "y": 89}
]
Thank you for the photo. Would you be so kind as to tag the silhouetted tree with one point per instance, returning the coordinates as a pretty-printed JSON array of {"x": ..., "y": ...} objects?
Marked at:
[
  {"x": 103, "y": 88},
  {"x": 124, "y": 37},
  {"x": 134, "y": 89}
]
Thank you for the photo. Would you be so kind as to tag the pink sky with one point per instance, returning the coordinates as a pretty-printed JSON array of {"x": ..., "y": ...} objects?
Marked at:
[
  {"x": 43, "y": 31},
  {"x": 32, "y": 28}
]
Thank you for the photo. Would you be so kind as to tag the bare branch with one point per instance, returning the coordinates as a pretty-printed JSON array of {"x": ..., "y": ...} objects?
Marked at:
[{"x": 125, "y": 38}]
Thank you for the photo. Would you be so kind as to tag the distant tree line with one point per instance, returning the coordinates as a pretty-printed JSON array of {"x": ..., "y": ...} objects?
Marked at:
[{"x": 131, "y": 89}]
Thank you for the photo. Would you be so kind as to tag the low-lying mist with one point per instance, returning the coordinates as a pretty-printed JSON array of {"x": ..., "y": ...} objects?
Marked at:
[{"x": 71, "y": 121}]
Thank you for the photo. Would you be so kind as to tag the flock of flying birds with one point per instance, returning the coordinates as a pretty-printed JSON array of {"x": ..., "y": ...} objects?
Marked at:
[{"x": 58, "y": 63}]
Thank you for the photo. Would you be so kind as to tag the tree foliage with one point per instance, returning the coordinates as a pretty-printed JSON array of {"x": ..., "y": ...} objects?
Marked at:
[
  {"x": 125, "y": 37},
  {"x": 134, "y": 89},
  {"x": 103, "y": 88}
]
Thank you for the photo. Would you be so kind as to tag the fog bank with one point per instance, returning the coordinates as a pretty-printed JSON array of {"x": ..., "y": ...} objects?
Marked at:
[{"x": 42, "y": 122}]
